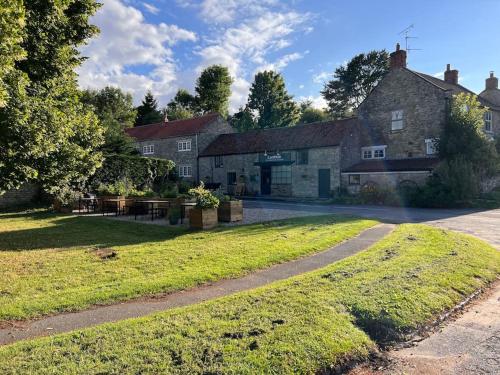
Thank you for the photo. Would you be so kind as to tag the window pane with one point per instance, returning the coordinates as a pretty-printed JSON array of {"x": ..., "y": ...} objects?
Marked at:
[{"x": 281, "y": 174}]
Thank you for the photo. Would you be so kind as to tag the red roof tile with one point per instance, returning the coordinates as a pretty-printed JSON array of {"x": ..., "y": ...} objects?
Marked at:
[
  {"x": 177, "y": 128},
  {"x": 320, "y": 134},
  {"x": 395, "y": 165}
]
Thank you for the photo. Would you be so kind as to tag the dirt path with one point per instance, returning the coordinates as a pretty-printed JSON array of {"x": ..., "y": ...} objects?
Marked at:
[{"x": 132, "y": 309}]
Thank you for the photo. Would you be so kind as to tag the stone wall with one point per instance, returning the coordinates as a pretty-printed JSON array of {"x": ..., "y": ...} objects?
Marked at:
[
  {"x": 26, "y": 194},
  {"x": 384, "y": 180},
  {"x": 304, "y": 177},
  {"x": 424, "y": 107},
  {"x": 166, "y": 148}
]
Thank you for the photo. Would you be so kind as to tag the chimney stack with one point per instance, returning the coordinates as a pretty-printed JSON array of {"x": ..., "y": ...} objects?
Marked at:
[
  {"x": 492, "y": 82},
  {"x": 398, "y": 58},
  {"x": 451, "y": 76}
]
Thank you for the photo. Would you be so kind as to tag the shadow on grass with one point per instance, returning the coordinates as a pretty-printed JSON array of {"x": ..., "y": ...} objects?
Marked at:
[{"x": 67, "y": 231}]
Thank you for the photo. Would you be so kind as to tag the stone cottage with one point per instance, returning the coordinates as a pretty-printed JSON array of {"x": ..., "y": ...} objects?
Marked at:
[
  {"x": 390, "y": 143},
  {"x": 180, "y": 141},
  {"x": 401, "y": 119},
  {"x": 301, "y": 161}
]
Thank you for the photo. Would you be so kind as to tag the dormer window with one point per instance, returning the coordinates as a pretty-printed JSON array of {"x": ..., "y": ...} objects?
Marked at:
[
  {"x": 148, "y": 149},
  {"x": 397, "y": 120},
  {"x": 373, "y": 152},
  {"x": 488, "y": 122}
]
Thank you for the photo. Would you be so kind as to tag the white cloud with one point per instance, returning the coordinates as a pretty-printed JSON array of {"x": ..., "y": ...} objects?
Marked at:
[
  {"x": 227, "y": 11},
  {"x": 321, "y": 77},
  {"x": 317, "y": 101},
  {"x": 244, "y": 49},
  {"x": 127, "y": 41},
  {"x": 151, "y": 8},
  {"x": 281, "y": 62}
]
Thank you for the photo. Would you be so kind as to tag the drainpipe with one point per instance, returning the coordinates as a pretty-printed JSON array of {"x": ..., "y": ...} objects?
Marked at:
[{"x": 197, "y": 161}]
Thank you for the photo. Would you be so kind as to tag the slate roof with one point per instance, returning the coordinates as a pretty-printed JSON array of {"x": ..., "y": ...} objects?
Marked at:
[
  {"x": 319, "y": 134},
  {"x": 176, "y": 128},
  {"x": 456, "y": 89},
  {"x": 394, "y": 165}
]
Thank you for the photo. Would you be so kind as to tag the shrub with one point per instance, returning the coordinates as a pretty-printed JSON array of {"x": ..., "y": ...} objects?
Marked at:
[
  {"x": 142, "y": 173},
  {"x": 183, "y": 187},
  {"x": 204, "y": 198}
]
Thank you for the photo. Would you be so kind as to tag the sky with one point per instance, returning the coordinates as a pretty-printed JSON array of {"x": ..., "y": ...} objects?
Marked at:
[{"x": 163, "y": 45}]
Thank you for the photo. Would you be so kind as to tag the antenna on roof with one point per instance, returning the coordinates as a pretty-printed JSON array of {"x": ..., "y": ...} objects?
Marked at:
[{"x": 407, "y": 36}]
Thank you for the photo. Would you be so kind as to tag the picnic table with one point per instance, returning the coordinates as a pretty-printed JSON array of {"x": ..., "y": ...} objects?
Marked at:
[
  {"x": 88, "y": 203},
  {"x": 154, "y": 206},
  {"x": 117, "y": 203}
]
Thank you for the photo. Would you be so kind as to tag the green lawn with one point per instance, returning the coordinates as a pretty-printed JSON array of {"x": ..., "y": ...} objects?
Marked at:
[
  {"x": 48, "y": 262},
  {"x": 302, "y": 325}
]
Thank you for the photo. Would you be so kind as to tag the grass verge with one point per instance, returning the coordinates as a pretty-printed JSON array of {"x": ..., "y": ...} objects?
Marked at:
[
  {"x": 51, "y": 263},
  {"x": 305, "y": 324}
]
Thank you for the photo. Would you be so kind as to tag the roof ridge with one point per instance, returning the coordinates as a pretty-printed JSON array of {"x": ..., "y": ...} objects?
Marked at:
[{"x": 179, "y": 120}]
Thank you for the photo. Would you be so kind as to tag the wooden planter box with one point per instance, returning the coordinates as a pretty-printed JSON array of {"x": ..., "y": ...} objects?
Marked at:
[
  {"x": 203, "y": 219},
  {"x": 230, "y": 211}
]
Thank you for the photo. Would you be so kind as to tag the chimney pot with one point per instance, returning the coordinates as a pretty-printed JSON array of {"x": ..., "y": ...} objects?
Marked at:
[
  {"x": 492, "y": 82},
  {"x": 451, "y": 76},
  {"x": 398, "y": 58}
]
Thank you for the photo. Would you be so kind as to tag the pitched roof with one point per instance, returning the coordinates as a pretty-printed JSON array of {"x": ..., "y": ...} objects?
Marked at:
[
  {"x": 177, "y": 128},
  {"x": 319, "y": 134},
  {"x": 456, "y": 89},
  {"x": 394, "y": 165}
]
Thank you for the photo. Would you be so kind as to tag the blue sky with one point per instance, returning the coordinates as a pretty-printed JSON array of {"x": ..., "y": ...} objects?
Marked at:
[{"x": 162, "y": 45}]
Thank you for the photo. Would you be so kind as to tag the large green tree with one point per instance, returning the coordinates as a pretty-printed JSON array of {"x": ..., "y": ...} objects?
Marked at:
[
  {"x": 309, "y": 114},
  {"x": 243, "y": 120},
  {"x": 213, "y": 89},
  {"x": 467, "y": 156},
  {"x": 46, "y": 133},
  {"x": 354, "y": 81},
  {"x": 11, "y": 36},
  {"x": 182, "y": 106},
  {"x": 116, "y": 112},
  {"x": 148, "y": 112},
  {"x": 270, "y": 102}
]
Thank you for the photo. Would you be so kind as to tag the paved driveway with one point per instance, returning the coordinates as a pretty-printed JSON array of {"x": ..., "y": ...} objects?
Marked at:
[
  {"x": 483, "y": 224},
  {"x": 469, "y": 345}
]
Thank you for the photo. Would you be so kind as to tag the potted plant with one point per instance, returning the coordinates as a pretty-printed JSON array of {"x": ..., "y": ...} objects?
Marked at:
[
  {"x": 204, "y": 214},
  {"x": 230, "y": 209},
  {"x": 174, "y": 215},
  {"x": 65, "y": 200}
]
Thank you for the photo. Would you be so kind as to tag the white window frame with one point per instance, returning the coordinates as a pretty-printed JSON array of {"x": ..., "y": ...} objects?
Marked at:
[
  {"x": 184, "y": 145},
  {"x": 397, "y": 120},
  {"x": 488, "y": 122},
  {"x": 148, "y": 149},
  {"x": 430, "y": 146},
  {"x": 185, "y": 171},
  {"x": 368, "y": 153}
]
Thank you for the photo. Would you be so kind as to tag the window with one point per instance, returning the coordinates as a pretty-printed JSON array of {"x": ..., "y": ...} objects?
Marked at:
[
  {"x": 184, "y": 145},
  {"x": 231, "y": 178},
  {"x": 373, "y": 152},
  {"x": 185, "y": 171},
  {"x": 281, "y": 174},
  {"x": 218, "y": 161},
  {"x": 397, "y": 120},
  {"x": 488, "y": 120},
  {"x": 148, "y": 149},
  {"x": 303, "y": 157},
  {"x": 354, "y": 179},
  {"x": 430, "y": 146}
]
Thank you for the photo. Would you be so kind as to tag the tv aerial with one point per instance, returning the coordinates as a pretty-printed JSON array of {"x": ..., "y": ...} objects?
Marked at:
[{"x": 406, "y": 34}]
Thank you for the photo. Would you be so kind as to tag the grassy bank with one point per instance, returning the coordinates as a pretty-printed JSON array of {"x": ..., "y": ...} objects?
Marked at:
[
  {"x": 52, "y": 263},
  {"x": 301, "y": 325}
]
